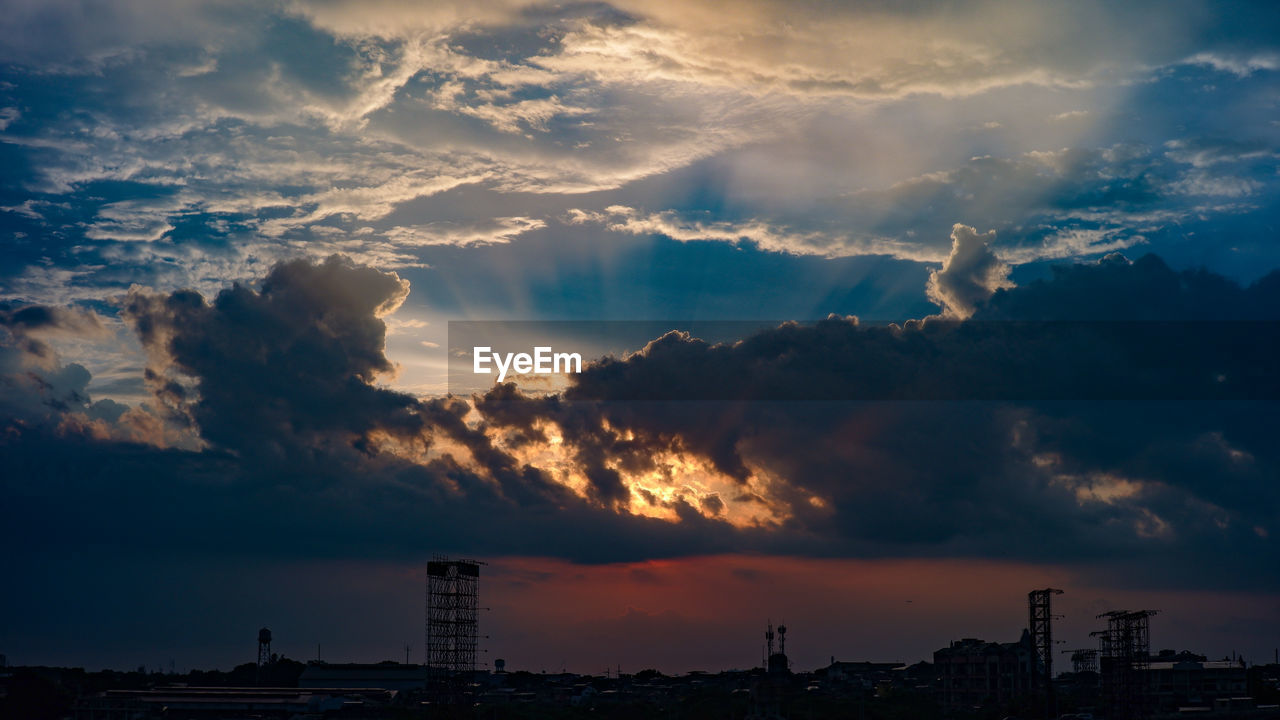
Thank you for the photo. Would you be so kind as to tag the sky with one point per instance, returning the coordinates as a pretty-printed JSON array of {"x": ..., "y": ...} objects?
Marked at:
[{"x": 965, "y": 300}]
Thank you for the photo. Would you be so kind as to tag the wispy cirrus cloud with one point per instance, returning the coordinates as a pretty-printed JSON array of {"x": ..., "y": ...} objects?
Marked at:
[{"x": 761, "y": 234}]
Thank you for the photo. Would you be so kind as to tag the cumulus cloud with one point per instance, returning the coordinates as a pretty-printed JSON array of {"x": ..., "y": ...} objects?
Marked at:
[
  {"x": 202, "y": 148},
  {"x": 281, "y": 369},
  {"x": 970, "y": 275},
  {"x": 1004, "y": 448},
  {"x": 278, "y": 386},
  {"x": 790, "y": 440},
  {"x": 285, "y": 377}
]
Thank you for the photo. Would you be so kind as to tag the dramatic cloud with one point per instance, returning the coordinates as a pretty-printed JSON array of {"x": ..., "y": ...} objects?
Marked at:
[
  {"x": 290, "y": 364},
  {"x": 192, "y": 145},
  {"x": 213, "y": 214},
  {"x": 273, "y": 391},
  {"x": 1062, "y": 422}
]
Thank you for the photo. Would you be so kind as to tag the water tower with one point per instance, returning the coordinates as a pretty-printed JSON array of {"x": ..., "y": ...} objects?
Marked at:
[{"x": 264, "y": 651}]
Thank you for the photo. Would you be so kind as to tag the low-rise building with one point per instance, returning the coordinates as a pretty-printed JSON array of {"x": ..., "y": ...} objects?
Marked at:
[
  {"x": 1189, "y": 683},
  {"x": 975, "y": 673}
]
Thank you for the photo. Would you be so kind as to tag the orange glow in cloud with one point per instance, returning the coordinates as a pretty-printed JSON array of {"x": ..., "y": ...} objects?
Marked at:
[{"x": 670, "y": 477}]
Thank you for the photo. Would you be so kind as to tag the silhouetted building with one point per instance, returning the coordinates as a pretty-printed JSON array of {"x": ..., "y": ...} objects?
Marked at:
[
  {"x": 1192, "y": 683},
  {"x": 974, "y": 673},
  {"x": 863, "y": 677},
  {"x": 1080, "y": 690}
]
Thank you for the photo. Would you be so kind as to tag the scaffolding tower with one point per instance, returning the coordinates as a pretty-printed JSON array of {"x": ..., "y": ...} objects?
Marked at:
[
  {"x": 1083, "y": 660},
  {"x": 1124, "y": 653},
  {"x": 451, "y": 629},
  {"x": 1041, "y": 629}
]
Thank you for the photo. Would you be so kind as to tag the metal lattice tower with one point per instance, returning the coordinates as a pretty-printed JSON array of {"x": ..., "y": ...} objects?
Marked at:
[
  {"x": 1124, "y": 651},
  {"x": 1041, "y": 630},
  {"x": 768, "y": 641},
  {"x": 451, "y": 628},
  {"x": 264, "y": 652}
]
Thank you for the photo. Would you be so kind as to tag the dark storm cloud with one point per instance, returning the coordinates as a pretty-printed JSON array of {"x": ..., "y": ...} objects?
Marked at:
[
  {"x": 1072, "y": 432},
  {"x": 1116, "y": 289},
  {"x": 278, "y": 382},
  {"x": 285, "y": 375},
  {"x": 283, "y": 368}
]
